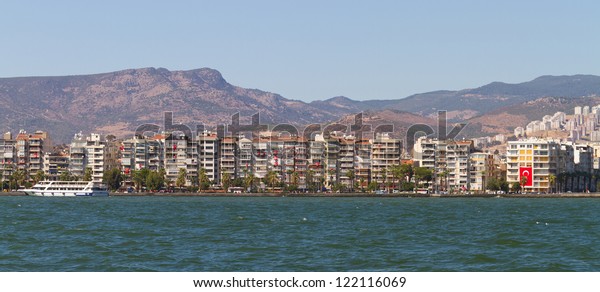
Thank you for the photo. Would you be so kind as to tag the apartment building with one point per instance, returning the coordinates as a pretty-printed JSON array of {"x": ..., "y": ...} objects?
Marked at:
[
  {"x": 227, "y": 157},
  {"x": 482, "y": 169},
  {"x": 362, "y": 163},
  {"x": 316, "y": 158},
  {"x": 93, "y": 152},
  {"x": 181, "y": 152},
  {"x": 55, "y": 164},
  {"x": 245, "y": 163},
  {"x": 449, "y": 160},
  {"x": 331, "y": 161},
  {"x": 531, "y": 162},
  {"x": 8, "y": 154},
  {"x": 261, "y": 157},
  {"x": 347, "y": 173},
  {"x": 458, "y": 164},
  {"x": 29, "y": 150},
  {"x": 386, "y": 151},
  {"x": 208, "y": 155}
]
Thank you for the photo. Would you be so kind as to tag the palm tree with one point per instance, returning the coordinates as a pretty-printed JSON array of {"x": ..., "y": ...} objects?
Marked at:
[
  {"x": 295, "y": 178},
  {"x": 18, "y": 178},
  {"x": 523, "y": 182},
  {"x": 249, "y": 181},
  {"x": 139, "y": 178},
  {"x": 350, "y": 174},
  {"x": 271, "y": 179},
  {"x": 397, "y": 174},
  {"x": 552, "y": 181},
  {"x": 225, "y": 181},
  {"x": 362, "y": 184},
  {"x": 309, "y": 179},
  {"x": 289, "y": 176},
  {"x": 444, "y": 179},
  {"x": 39, "y": 176},
  {"x": 87, "y": 175},
  {"x": 203, "y": 179},
  {"x": 181, "y": 178},
  {"x": 384, "y": 177}
]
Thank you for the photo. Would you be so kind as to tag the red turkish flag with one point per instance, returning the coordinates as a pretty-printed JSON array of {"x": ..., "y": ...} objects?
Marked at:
[{"x": 528, "y": 173}]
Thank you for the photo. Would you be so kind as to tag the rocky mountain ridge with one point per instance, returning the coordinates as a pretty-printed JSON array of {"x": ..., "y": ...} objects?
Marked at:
[{"x": 117, "y": 102}]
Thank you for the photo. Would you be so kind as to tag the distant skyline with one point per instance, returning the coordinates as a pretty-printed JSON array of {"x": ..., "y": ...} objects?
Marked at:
[{"x": 308, "y": 50}]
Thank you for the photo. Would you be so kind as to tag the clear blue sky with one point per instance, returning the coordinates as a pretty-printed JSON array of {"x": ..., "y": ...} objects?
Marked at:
[{"x": 308, "y": 49}]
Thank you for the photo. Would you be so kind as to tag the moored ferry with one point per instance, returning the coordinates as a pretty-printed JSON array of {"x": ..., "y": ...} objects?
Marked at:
[{"x": 67, "y": 189}]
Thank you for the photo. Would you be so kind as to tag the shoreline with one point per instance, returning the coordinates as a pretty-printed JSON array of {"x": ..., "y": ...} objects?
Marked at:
[{"x": 337, "y": 195}]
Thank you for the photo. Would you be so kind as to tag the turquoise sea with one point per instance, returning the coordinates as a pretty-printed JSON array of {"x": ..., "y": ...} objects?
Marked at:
[{"x": 298, "y": 234}]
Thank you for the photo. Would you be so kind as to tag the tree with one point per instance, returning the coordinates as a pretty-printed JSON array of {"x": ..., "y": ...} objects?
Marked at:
[
  {"x": 337, "y": 187},
  {"x": 295, "y": 179},
  {"x": 64, "y": 176},
  {"x": 310, "y": 180},
  {"x": 237, "y": 182},
  {"x": 181, "y": 178},
  {"x": 203, "y": 179},
  {"x": 361, "y": 184},
  {"x": 39, "y": 176},
  {"x": 397, "y": 175},
  {"x": 225, "y": 181},
  {"x": 351, "y": 175},
  {"x": 516, "y": 187},
  {"x": 113, "y": 178},
  {"x": 504, "y": 186},
  {"x": 407, "y": 171},
  {"x": 271, "y": 179},
  {"x": 422, "y": 174},
  {"x": 523, "y": 182},
  {"x": 384, "y": 173},
  {"x": 444, "y": 177},
  {"x": 249, "y": 181},
  {"x": 18, "y": 178},
  {"x": 493, "y": 184},
  {"x": 372, "y": 186},
  {"x": 87, "y": 176},
  {"x": 153, "y": 181},
  {"x": 562, "y": 181},
  {"x": 552, "y": 181},
  {"x": 163, "y": 173},
  {"x": 139, "y": 177},
  {"x": 408, "y": 186}
]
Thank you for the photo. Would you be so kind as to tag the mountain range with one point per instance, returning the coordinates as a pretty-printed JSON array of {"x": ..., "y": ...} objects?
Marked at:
[{"x": 117, "y": 102}]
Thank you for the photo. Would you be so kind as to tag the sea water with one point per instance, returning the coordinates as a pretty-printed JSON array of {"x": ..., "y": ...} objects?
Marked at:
[{"x": 298, "y": 234}]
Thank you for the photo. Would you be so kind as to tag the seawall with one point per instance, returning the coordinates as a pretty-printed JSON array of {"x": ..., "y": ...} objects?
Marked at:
[{"x": 340, "y": 195}]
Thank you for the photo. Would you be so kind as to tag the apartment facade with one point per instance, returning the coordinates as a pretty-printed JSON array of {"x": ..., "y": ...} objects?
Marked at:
[
  {"x": 531, "y": 162},
  {"x": 482, "y": 169},
  {"x": 385, "y": 152}
]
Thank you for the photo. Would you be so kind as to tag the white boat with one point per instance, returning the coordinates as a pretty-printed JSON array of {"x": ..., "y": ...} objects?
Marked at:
[{"x": 67, "y": 189}]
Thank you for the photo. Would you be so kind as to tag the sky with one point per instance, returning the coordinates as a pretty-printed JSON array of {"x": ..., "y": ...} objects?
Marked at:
[{"x": 308, "y": 50}]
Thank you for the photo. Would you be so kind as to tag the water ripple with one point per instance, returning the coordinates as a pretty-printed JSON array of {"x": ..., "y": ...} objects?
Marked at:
[{"x": 298, "y": 234}]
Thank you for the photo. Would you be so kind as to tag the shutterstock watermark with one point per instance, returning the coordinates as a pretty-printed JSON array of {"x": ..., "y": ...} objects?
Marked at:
[{"x": 357, "y": 128}]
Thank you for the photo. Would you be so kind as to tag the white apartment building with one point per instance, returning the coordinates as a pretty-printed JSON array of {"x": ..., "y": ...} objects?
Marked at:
[
  {"x": 448, "y": 159},
  {"x": 208, "y": 155},
  {"x": 92, "y": 152},
  {"x": 482, "y": 168},
  {"x": 385, "y": 152}
]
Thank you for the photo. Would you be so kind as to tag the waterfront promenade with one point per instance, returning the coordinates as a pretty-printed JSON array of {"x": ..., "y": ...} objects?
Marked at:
[{"x": 341, "y": 195}]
